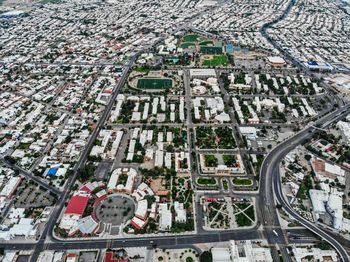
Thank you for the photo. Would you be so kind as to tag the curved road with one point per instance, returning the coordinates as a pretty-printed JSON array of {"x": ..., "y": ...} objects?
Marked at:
[{"x": 270, "y": 179}]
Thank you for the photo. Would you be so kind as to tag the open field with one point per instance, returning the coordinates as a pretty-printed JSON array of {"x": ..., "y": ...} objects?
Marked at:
[
  {"x": 217, "y": 60},
  {"x": 154, "y": 83},
  {"x": 187, "y": 45},
  {"x": 191, "y": 38}
]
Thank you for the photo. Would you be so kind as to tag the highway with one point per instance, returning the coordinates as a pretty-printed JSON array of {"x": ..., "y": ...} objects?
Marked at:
[
  {"x": 48, "y": 241},
  {"x": 171, "y": 241},
  {"x": 266, "y": 207},
  {"x": 270, "y": 179}
]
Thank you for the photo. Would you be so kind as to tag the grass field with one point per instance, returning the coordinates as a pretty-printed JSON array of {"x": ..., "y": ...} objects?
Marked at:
[
  {"x": 242, "y": 182},
  {"x": 242, "y": 220},
  {"x": 208, "y": 181},
  {"x": 154, "y": 83},
  {"x": 206, "y": 43},
  {"x": 191, "y": 38},
  {"x": 142, "y": 70},
  {"x": 216, "y": 61},
  {"x": 187, "y": 45}
]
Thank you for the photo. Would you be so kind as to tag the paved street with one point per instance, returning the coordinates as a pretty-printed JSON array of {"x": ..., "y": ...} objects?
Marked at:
[{"x": 245, "y": 74}]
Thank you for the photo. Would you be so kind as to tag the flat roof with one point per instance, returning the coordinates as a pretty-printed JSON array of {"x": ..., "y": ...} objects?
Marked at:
[
  {"x": 77, "y": 205},
  {"x": 202, "y": 72}
]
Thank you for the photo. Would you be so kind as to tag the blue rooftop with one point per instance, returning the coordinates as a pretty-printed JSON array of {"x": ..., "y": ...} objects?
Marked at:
[
  {"x": 313, "y": 63},
  {"x": 229, "y": 48},
  {"x": 52, "y": 171}
]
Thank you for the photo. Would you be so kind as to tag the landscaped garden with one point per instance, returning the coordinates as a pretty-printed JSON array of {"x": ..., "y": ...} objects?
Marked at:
[
  {"x": 244, "y": 214},
  {"x": 210, "y": 161},
  {"x": 206, "y": 181},
  {"x": 225, "y": 184},
  {"x": 209, "y": 138},
  {"x": 229, "y": 160},
  {"x": 242, "y": 182}
]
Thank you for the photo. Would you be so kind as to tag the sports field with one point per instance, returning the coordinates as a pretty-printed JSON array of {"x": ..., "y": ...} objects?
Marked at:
[
  {"x": 187, "y": 45},
  {"x": 206, "y": 43},
  {"x": 216, "y": 61},
  {"x": 191, "y": 38},
  {"x": 154, "y": 83}
]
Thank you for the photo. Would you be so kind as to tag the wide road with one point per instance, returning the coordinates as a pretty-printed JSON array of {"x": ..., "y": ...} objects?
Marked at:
[
  {"x": 30, "y": 176},
  {"x": 48, "y": 241},
  {"x": 268, "y": 25},
  {"x": 272, "y": 227},
  {"x": 171, "y": 241},
  {"x": 269, "y": 179},
  {"x": 270, "y": 176},
  {"x": 48, "y": 230}
]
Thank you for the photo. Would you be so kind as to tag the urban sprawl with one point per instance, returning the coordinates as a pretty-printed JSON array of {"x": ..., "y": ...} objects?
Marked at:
[{"x": 186, "y": 130}]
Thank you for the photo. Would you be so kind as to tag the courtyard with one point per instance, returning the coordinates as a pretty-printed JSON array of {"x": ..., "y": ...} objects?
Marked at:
[{"x": 115, "y": 209}]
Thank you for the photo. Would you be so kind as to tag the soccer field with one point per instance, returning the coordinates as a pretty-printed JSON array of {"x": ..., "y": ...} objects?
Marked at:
[
  {"x": 154, "y": 83},
  {"x": 187, "y": 45},
  {"x": 191, "y": 38},
  {"x": 216, "y": 61}
]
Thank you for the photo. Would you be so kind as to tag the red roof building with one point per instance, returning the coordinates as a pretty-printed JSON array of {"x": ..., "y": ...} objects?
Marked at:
[
  {"x": 77, "y": 205},
  {"x": 109, "y": 258}
]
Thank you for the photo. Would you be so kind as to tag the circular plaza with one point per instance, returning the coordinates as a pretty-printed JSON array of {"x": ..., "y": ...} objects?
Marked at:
[{"x": 115, "y": 209}]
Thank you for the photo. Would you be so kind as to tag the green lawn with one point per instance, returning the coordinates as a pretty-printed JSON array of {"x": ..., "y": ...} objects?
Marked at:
[
  {"x": 154, "y": 83},
  {"x": 208, "y": 181},
  {"x": 142, "y": 70},
  {"x": 187, "y": 45},
  {"x": 24, "y": 146},
  {"x": 229, "y": 160},
  {"x": 210, "y": 160},
  {"x": 250, "y": 212},
  {"x": 206, "y": 43},
  {"x": 216, "y": 61},
  {"x": 225, "y": 184},
  {"x": 242, "y": 220},
  {"x": 190, "y": 38},
  {"x": 242, "y": 182}
]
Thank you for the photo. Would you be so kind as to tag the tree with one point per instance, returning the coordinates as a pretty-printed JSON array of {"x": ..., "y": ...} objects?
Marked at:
[
  {"x": 307, "y": 157},
  {"x": 170, "y": 148},
  {"x": 150, "y": 200},
  {"x": 206, "y": 256},
  {"x": 323, "y": 245},
  {"x": 86, "y": 172},
  {"x": 10, "y": 160},
  {"x": 211, "y": 160}
]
